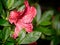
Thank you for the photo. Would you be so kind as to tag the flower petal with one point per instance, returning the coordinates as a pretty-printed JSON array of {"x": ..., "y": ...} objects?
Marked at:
[
  {"x": 29, "y": 15},
  {"x": 13, "y": 16},
  {"x": 28, "y": 27},
  {"x": 16, "y": 32}
]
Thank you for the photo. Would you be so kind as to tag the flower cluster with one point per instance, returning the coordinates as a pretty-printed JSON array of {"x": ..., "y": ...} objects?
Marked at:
[{"x": 22, "y": 19}]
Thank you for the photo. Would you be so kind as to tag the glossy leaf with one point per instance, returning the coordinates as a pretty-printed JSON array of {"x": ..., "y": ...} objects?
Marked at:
[
  {"x": 6, "y": 32},
  {"x": 9, "y": 43},
  {"x": 17, "y": 3},
  {"x": 45, "y": 30},
  {"x": 38, "y": 16},
  {"x": 21, "y": 8},
  {"x": 3, "y": 14},
  {"x": 46, "y": 16},
  {"x": 56, "y": 24},
  {"x": 21, "y": 36},
  {"x": 9, "y": 3},
  {"x": 4, "y": 22},
  {"x": 45, "y": 23},
  {"x": 31, "y": 37},
  {"x": 10, "y": 39}
]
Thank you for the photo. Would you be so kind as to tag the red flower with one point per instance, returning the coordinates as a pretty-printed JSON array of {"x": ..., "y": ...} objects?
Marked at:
[{"x": 22, "y": 19}]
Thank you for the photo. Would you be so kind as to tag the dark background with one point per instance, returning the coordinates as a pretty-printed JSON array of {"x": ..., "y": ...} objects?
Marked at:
[{"x": 45, "y": 4}]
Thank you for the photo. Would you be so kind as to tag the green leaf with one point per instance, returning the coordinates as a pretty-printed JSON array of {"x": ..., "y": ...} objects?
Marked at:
[
  {"x": 52, "y": 43},
  {"x": 10, "y": 39},
  {"x": 55, "y": 41},
  {"x": 31, "y": 37},
  {"x": 42, "y": 36},
  {"x": 6, "y": 32},
  {"x": 18, "y": 3},
  {"x": 9, "y": 43},
  {"x": 3, "y": 14},
  {"x": 21, "y": 36},
  {"x": 46, "y": 16},
  {"x": 4, "y": 3},
  {"x": 4, "y": 22},
  {"x": 21, "y": 8},
  {"x": 38, "y": 16},
  {"x": 56, "y": 24},
  {"x": 44, "y": 23},
  {"x": 45, "y": 30},
  {"x": 0, "y": 7},
  {"x": 0, "y": 34},
  {"x": 9, "y": 3}
]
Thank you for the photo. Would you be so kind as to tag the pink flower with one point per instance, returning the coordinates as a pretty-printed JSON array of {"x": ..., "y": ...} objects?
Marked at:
[
  {"x": 14, "y": 16},
  {"x": 22, "y": 19}
]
